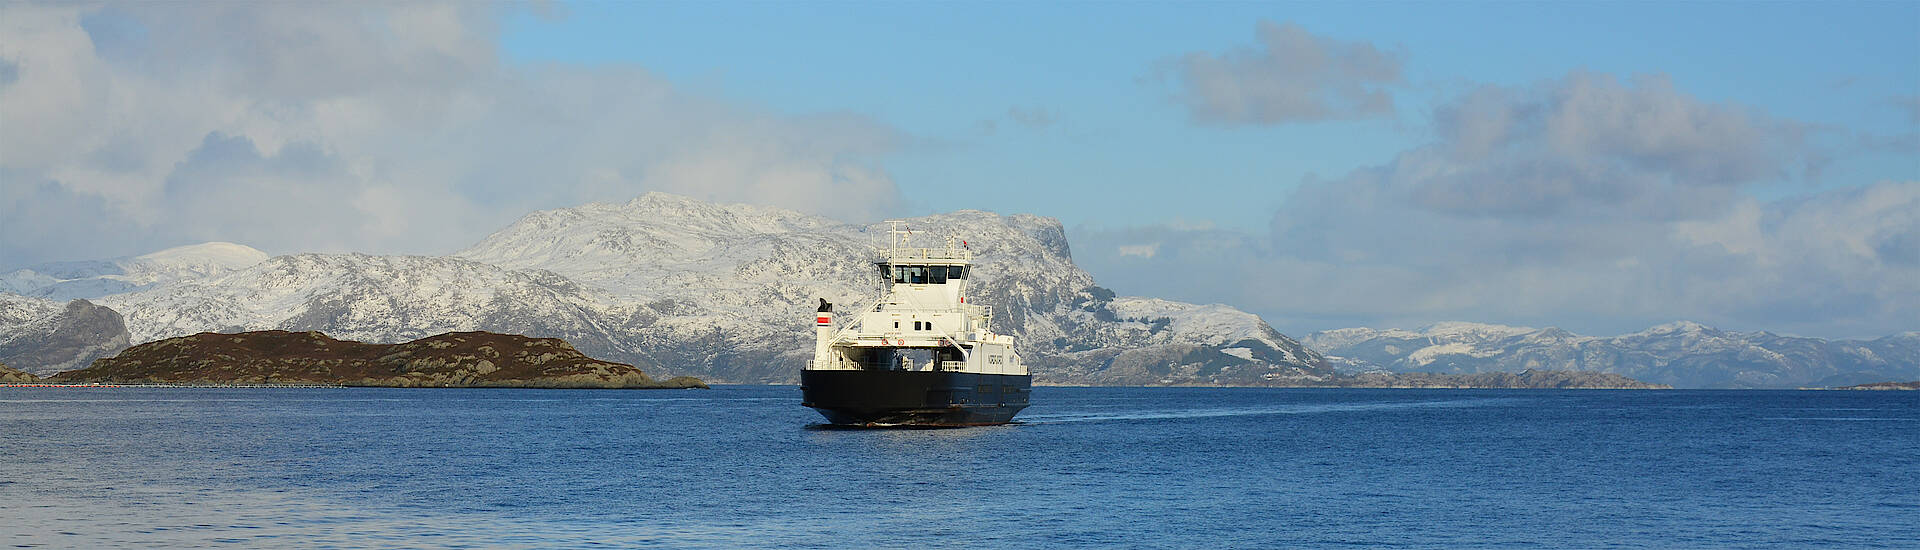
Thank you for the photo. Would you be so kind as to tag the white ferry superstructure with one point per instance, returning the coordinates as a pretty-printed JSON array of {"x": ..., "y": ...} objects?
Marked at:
[{"x": 923, "y": 355}]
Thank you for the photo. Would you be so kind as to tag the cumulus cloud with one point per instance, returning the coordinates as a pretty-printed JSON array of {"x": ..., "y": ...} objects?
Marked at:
[
  {"x": 1291, "y": 76},
  {"x": 1584, "y": 202},
  {"x": 382, "y": 128}
]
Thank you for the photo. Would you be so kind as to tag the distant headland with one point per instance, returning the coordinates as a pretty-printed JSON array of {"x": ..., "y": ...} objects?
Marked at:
[
  {"x": 1884, "y": 386},
  {"x": 278, "y": 357}
]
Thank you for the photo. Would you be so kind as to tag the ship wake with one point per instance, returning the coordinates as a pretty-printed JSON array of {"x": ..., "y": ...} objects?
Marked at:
[{"x": 1060, "y": 418}]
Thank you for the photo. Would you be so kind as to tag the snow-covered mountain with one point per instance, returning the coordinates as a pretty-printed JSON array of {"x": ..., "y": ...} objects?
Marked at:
[
  {"x": 725, "y": 292},
  {"x": 64, "y": 281},
  {"x": 1682, "y": 354},
  {"x": 726, "y": 283}
]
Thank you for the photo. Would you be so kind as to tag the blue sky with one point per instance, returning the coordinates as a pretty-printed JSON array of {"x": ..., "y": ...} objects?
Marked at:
[
  {"x": 1601, "y": 167},
  {"x": 1120, "y": 150}
]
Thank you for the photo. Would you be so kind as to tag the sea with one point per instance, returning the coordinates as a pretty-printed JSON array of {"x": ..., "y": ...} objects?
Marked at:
[{"x": 748, "y": 467}]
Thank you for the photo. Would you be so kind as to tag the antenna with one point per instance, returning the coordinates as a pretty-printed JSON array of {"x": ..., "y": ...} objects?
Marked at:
[{"x": 897, "y": 236}]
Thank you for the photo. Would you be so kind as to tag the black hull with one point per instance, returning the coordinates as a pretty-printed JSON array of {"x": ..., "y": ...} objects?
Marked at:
[{"x": 914, "y": 398}]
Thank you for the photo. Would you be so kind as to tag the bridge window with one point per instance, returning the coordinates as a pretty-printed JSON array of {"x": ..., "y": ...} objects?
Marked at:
[{"x": 923, "y": 274}]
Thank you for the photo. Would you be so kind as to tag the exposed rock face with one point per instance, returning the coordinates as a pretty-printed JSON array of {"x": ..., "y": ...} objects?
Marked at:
[
  {"x": 461, "y": 359},
  {"x": 40, "y": 337},
  {"x": 1683, "y": 354},
  {"x": 1885, "y": 386},
  {"x": 1528, "y": 379},
  {"x": 9, "y": 375}
]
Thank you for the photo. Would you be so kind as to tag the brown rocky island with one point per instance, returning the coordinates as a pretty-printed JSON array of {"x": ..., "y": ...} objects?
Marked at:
[
  {"x": 9, "y": 375},
  {"x": 451, "y": 360}
]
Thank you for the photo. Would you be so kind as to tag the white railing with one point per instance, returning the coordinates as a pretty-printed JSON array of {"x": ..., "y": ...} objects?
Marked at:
[{"x": 895, "y": 254}]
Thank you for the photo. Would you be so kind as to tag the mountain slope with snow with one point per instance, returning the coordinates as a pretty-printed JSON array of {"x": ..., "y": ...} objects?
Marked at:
[
  {"x": 724, "y": 292},
  {"x": 751, "y": 271},
  {"x": 1681, "y": 354}
]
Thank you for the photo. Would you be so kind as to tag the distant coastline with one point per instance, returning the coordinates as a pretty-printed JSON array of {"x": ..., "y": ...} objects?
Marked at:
[
  {"x": 1530, "y": 379},
  {"x": 1884, "y": 386}
]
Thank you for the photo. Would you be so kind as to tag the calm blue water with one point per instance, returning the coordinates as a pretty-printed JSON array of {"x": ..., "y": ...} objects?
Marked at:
[{"x": 1092, "y": 467}]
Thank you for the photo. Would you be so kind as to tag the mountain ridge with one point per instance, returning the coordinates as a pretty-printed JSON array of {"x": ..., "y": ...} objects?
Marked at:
[
  {"x": 722, "y": 291},
  {"x": 1680, "y": 353}
]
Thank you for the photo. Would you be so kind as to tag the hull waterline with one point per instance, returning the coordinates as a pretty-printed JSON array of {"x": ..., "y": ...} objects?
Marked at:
[{"x": 914, "y": 398}]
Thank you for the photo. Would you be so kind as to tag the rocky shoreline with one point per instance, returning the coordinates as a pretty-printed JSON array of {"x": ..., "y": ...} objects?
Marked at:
[{"x": 451, "y": 360}]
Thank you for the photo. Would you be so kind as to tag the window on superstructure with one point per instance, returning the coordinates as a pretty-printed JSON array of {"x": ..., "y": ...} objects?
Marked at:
[
  {"x": 939, "y": 274},
  {"x": 956, "y": 272},
  {"x": 916, "y": 274}
]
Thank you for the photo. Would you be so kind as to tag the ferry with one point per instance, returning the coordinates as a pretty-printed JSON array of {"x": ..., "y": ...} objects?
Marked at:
[{"x": 923, "y": 355}]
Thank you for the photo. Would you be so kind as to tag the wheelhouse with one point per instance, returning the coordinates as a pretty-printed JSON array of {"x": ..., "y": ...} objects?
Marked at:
[{"x": 922, "y": 274}]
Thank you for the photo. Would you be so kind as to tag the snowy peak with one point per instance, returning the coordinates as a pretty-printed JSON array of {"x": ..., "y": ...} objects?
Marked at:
[
  {"x": 216, "y": 255},
  {"x": 1211, "y": 324},
  {"x": 1446, "y": 332},
  {"x": 986, "y": 232},
  {"x": 1676, "y": 327},
  {"x": 1477, "y": 331},
  {"x": 94, "y": 279},
  {"x": 732, "y": 218},
  {"x": 657, "y": 232}
]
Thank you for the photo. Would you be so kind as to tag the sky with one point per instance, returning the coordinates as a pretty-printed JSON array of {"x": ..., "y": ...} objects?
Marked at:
[{"x": 1600, "y": 167}]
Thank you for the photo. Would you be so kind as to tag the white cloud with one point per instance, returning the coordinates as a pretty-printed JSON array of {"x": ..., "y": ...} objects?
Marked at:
[
  {"x": 1292, "y": 76},
  {"x": 1582, "y": 202},
  {"x": 1139, "y": 250},
  {"x": 371, "y": 127}
]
